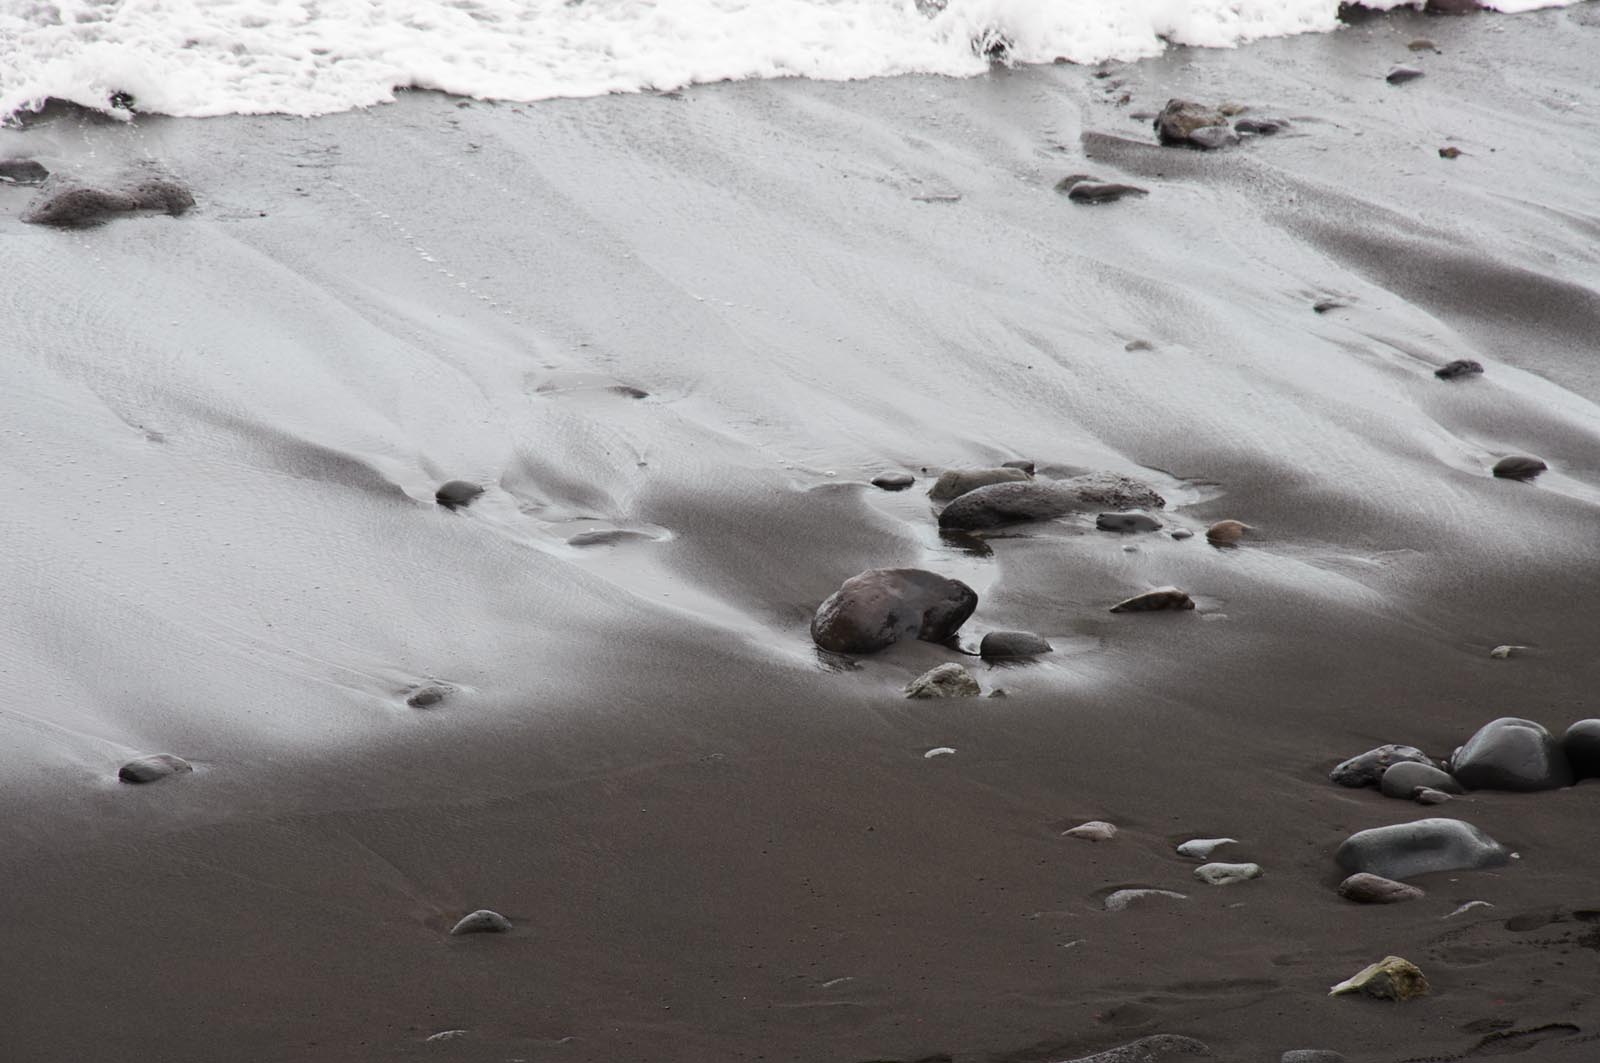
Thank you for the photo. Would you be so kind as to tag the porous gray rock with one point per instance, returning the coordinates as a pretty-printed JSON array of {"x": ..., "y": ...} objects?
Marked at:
[
  {"x": 1404, "y": 850},
  {"x": 1127, "y": 522},
  {"x": 953, "y": 483},
  {"x": 155, "y": 767},
  {"x": 1581, "y": 744},
  {"x": 1157, "y": 1048},
  {"x": 1511, "y": 754},
  {"x": 1518, "y": 467},
  {"x": 1180, "y": 121},
  {"x": 82, "y": 207},
  {"x": 1404, "y": 779},
  {"x": 1368, "y": 768},
  {"x": 946, "y": 681},
  {"x": 881, "y": 606},
  {"x": 1003, "y": 644},
  {"x": 457, "y": 494},
  {"x": 893, "y": 481},
  {"x": 482, "y": 921},
  {"x": 1366, "y": 888},
  {"x": 1461, "y": 367},
  {"x": 1160, "y": 599},
  {"x": 22, "y": 172}
]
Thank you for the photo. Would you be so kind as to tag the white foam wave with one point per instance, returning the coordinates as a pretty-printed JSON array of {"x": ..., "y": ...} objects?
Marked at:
[{"x": 309, "y": 57}]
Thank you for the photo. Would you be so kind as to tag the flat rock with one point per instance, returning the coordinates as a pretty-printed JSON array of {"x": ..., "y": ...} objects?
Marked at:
[
  {"x": 1094, "y": 192},
  {"x": 1402, "y": 74},
  {"x": 1001, "y": 644},
  {"x": 22, "y": 172},
  {"x": 1404, "y": 779},
  {"x": 457, "y": 494},
  {"x": 1202, "y": 848},
  {"x": 1365, "y": 888},
  {"x": 893, "y": 481},
  {"x": 1157, "y": 1048},
  {"x": 82, "y": 207},
  {"x": 1096, "y": 830},
  {"x": 1181, "y": 534},
  {"x": 1162, "y": 598},
  {"x": 1127, "y": 522},
  {"x": 1311, "y": 1055},
  {"x": 1122, "y": 899},
  {"x": 1461, "y": 367},
  {"x": 1184, "y": 122},
  {"x": 953, "y": 483},
  {"x": 1391, "y": 978},
  {"x": 879, "y": 607},
  {"x": 946, "y": 681},
  {"x": 1368, "y": 768},
  {"x": 1035, "y": 500},
  {"x": 1581, "y": 743},
  {"x": 1518, "y": 467},
  {"x": 1227, "y": 532},
  {"x": 1227, "y": 874},
  {"x": 155, "y": 767},
  {"x": 1511, "y": 754},
  {"x": 1405, "y": 850},
  {"x": 482, "y": 921}
]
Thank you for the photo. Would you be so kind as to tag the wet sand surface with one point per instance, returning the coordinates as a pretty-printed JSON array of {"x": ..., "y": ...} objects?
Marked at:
[{"x": 222, "y": 434}]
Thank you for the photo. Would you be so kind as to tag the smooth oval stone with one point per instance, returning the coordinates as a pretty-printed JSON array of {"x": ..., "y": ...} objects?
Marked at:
[
  {"x": 1121, "y": 899},
  {"x": 1366, "y": 888},
  {"x": 1182, "y": 533},
  {"x": 1519, "y": 467},
  {"x": 1368, "y": 768},
  {"x": 946, "y": 681},
  {"x": 879, "y": 607},
  {"x": 1511, "y": 754},
  {"x": 1157, "y": 1048},
  {"x": 1016, "y": 503},
  {"x": 456, "y": 494},
  {"x": 893, "y": 481},
  {"x": 1094, "y": 192},
  {"x": 1457, "y": 369},
  {"x": 1127, "y": 522},
  {"x": 1227, "y": 532},
  {"x": 1404, "y": 779},
  {"x": 1402, "y": 74},
  {"x": 1202, "y": 848},
  {"x": 1162, "y": 598},
  {"x": 1013, "y": 644},
  {"x": 482, "y": 921},
  {"x": 1227, "y": 874},
  {"x": 953, "y": 483},
  {"x": 22, "y": 172},
  {"x": 1581, "y": 743},
  {"x": 1096, "y": 830},
  {"x": 1404, "y": 850},
  {"x": 153, "y": 768},
  {"x": 428, "y": 694}
]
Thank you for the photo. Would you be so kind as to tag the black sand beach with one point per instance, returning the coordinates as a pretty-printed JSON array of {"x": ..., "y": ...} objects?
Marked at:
[{"x": 712, "y": 317}]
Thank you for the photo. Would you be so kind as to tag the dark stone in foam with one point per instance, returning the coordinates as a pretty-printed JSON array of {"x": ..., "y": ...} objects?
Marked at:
[
  {"x": 1127, "y": 522},
  {"x": 1015, "y": 503}
]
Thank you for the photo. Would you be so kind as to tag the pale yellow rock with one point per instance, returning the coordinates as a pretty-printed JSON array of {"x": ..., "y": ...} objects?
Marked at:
[{"x": 1391, "y": 978}]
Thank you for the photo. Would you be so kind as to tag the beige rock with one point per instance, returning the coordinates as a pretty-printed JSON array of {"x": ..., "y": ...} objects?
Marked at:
[
  {"x": 1227, "y": 532},
  {"x": 1096, "y": 830},
  {"x": 946, "y": 681},
  {"x": 1391, "y": 978}
]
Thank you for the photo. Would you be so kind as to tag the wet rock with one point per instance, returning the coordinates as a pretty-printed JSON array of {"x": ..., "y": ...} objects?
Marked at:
[
  {"x": 1002, "y": 644},
  {"x": 1459, "y": 368},
  {"x": 1127, "y": 522},
  {"x": 628, "y": 391},
  {"x": 1096, "y": 830},
  {"x": 1227, "y": 532},
  {"x": 1511, "y": 754},
  {"x": 1311, "y": 1055},
  {"x": 607, "y": 537},
  {"x": 457, "y": 494},
  {"x": 1581, "y": 744},
  {"x": 1519, "y": 467},
  {"x": 946, "y": 681},
  {"x": 1364, "y": 888},
  {"x": 1391, "y": 978},
  {"x": 1322, "y": 306},
  {"x": 1193, "y": 124},
  {"x": 1121, "y": 900},
  {"x": 81, "y": 207},
  {"x": 1404, "y": 779},
  {"x": 1426, "y": 795},
  {"x": 1405, "y": 850},
  {"x": 1157, "y": 1048},
  {"x": 1368, "y": 768},
  {"x": 1162, "y": 598},
  {"x": 879, "y": 607},
  {"x": 1260, "y": 127},
  {"x": 153, "y": 768},
  {"x": 954, "y": 483},
  {"x": 1402, "y": 74},
  {"x": 939, "y": 751},
  {"x": 1138, "y": 345},
  {"x": 1109, "y": 490},
  {"x": 1020, "y": 463},
  {"x": 1227, "y": 874},
  {"x": 428, "y": 695},
  {"x": 1094, "y": 192},
  {"x": 22, "y": 172},
  {"x": 1422, "y": 44},
  {"x": 1182, "y": 533},
  {"x": 482, "y": 921},
  {"x": 1450, "y": 153},
  {"x": 893, "y": 481},
  {"x": 1202, "y": 848},
  {"x": 1010, "y": 503}
]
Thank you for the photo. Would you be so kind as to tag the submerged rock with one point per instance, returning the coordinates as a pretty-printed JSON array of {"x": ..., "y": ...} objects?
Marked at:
[
  {"x": 1391, "y": 978},
  {"x": 953, "y": 483},
  {"x": 82, "y": 207},
  {"x": 946, "y": 681},
  {"x": 1120, "y": 900},
  {"x": 457, "y": 494},
  {"x": 1404, "y": 850},
  {"x": 1096, "y": 830},
  {"x": 1404, "y": 779},
  {"x": 893, "y": 481},
  {"x": 1003, "y": 644},
  {"x": 22, "y": 172},
  {"x": 1157, "y": 1048},
  {"x": 1459, "y": 368},
  {"x": 1581, "y": 744},
  {"x": 879, "y": 607},
  {"x": 1127, "y": 522},
  {"x": 1186, "y": 122},
  {"x": 1162, "y": 598},
  {"x": 1511, "y": 754},
  {"x": 1402, "y": 74},
  {"x": 1519, "y": 467},
  {"x": 482, "y": 921},
  {"x": 1227, "y": 874},
  {"x": 1368, "y": 768},
  {"x": 153, "y": 768},
  {"x": 1366, "y": 888}
]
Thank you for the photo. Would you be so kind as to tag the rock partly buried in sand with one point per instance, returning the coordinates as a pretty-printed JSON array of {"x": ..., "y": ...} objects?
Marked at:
[
  {"x": 998, "y": 645},
  {"x": 1096, "y": 830},
  {"x": 1311, "y": 1055},
  {"x": 1368, "y": 768},
  {"x": 1127, "y": 522},
  {"x": 1227, "y": 532},
  {"x": 428, "y": 695},
  {"x": 953, "y": 483},
  {"x": 1404, "y": 850},
  {"x": 1034, "y": 500},
  {"x": 81, "y": 207},
  {"x": 1391, "y": 978},
  {"x": 1185, "y": 122},
  {"x": 946, "y": 681},
  {"x": 1096, "y": 192},
  {"x": 1461, "y": 367},
  {"x": 1404, "y": 779},
  {"x": 1500, "y": 653},
  {"x": 482, "y": 921},
  {"x": 22, "y": 172},
  {"x": 1227, "y": 874},
  {"x": 1158, "y": 600},
  {"x": 153, "y": 768},
  {"x": 1019, "y": 463},
  {"x": 1511, "y": 754},
  {"x": 1120, "y": 900},
  {"x": 457, "y": 494},
  {"x": 1519, "y": 467},
  {"x": 1202, "y": 848},
  {"x": 893, "y": 481},
  {"x": 608, "y": 537},
  {"x": 881, "y": 606},
  {"x": 1582, "y": 746},
  {"x": 1450, "y": 153},
  {"x": 1402, "y": 74},
  {"x": 1427, "y": 795},
  {"x": 1157, "y": 1048},
  {"x": 1365, "y": 888}
]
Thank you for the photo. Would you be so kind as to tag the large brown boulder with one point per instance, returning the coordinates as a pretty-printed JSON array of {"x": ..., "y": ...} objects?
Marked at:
[{"x": 881, "y": 606}]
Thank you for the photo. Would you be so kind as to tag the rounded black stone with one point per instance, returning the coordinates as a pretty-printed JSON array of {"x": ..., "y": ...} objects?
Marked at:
[
  {"x": 1582, "y": 746},
  {"x": 153, "y": 768},
  {"x": 1459, "y": 368},
  {"x": 1519, "y": 467},
  {"x": 457, "y": 494},
  {"x": 1001, "y": 644}
]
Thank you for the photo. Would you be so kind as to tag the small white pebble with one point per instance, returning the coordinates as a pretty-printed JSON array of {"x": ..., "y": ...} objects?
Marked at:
[{"x": 942, "y": 751}]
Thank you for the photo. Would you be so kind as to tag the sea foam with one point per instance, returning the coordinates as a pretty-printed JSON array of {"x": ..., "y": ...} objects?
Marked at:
[{"x": 308, "y": 57}]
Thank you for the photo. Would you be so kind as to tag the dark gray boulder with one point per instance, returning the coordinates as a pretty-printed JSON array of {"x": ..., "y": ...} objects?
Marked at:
[
  {"x": 1364, "y": 888},
  {"x": 1127, "y": 522},
  {"x": 1581, "y": 743},
  {"x": 1368, "y": 768},
  {"x": 82, "y": 207},
  {"x": 1184, "y": 122},
  {"x": 953, "y": 483},
  {"x": 1511, "y": 754},
  {"x": 22, "y": 172},
  {"x": 1428, "y": 845},
  {"x": 457, "y": 494},
  {"x": 1002, "y": 644},
  {"x": 1404, "y": 779},
  {"x": 1035, "y": 500},
  {"x": 879, "y": 607},
  {"x": 153, "y": 768},
  {"x": 1518, "y": 467},
  {"x": 1461, "y": 367},
  {"x": 1157, "y": 1048}
]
